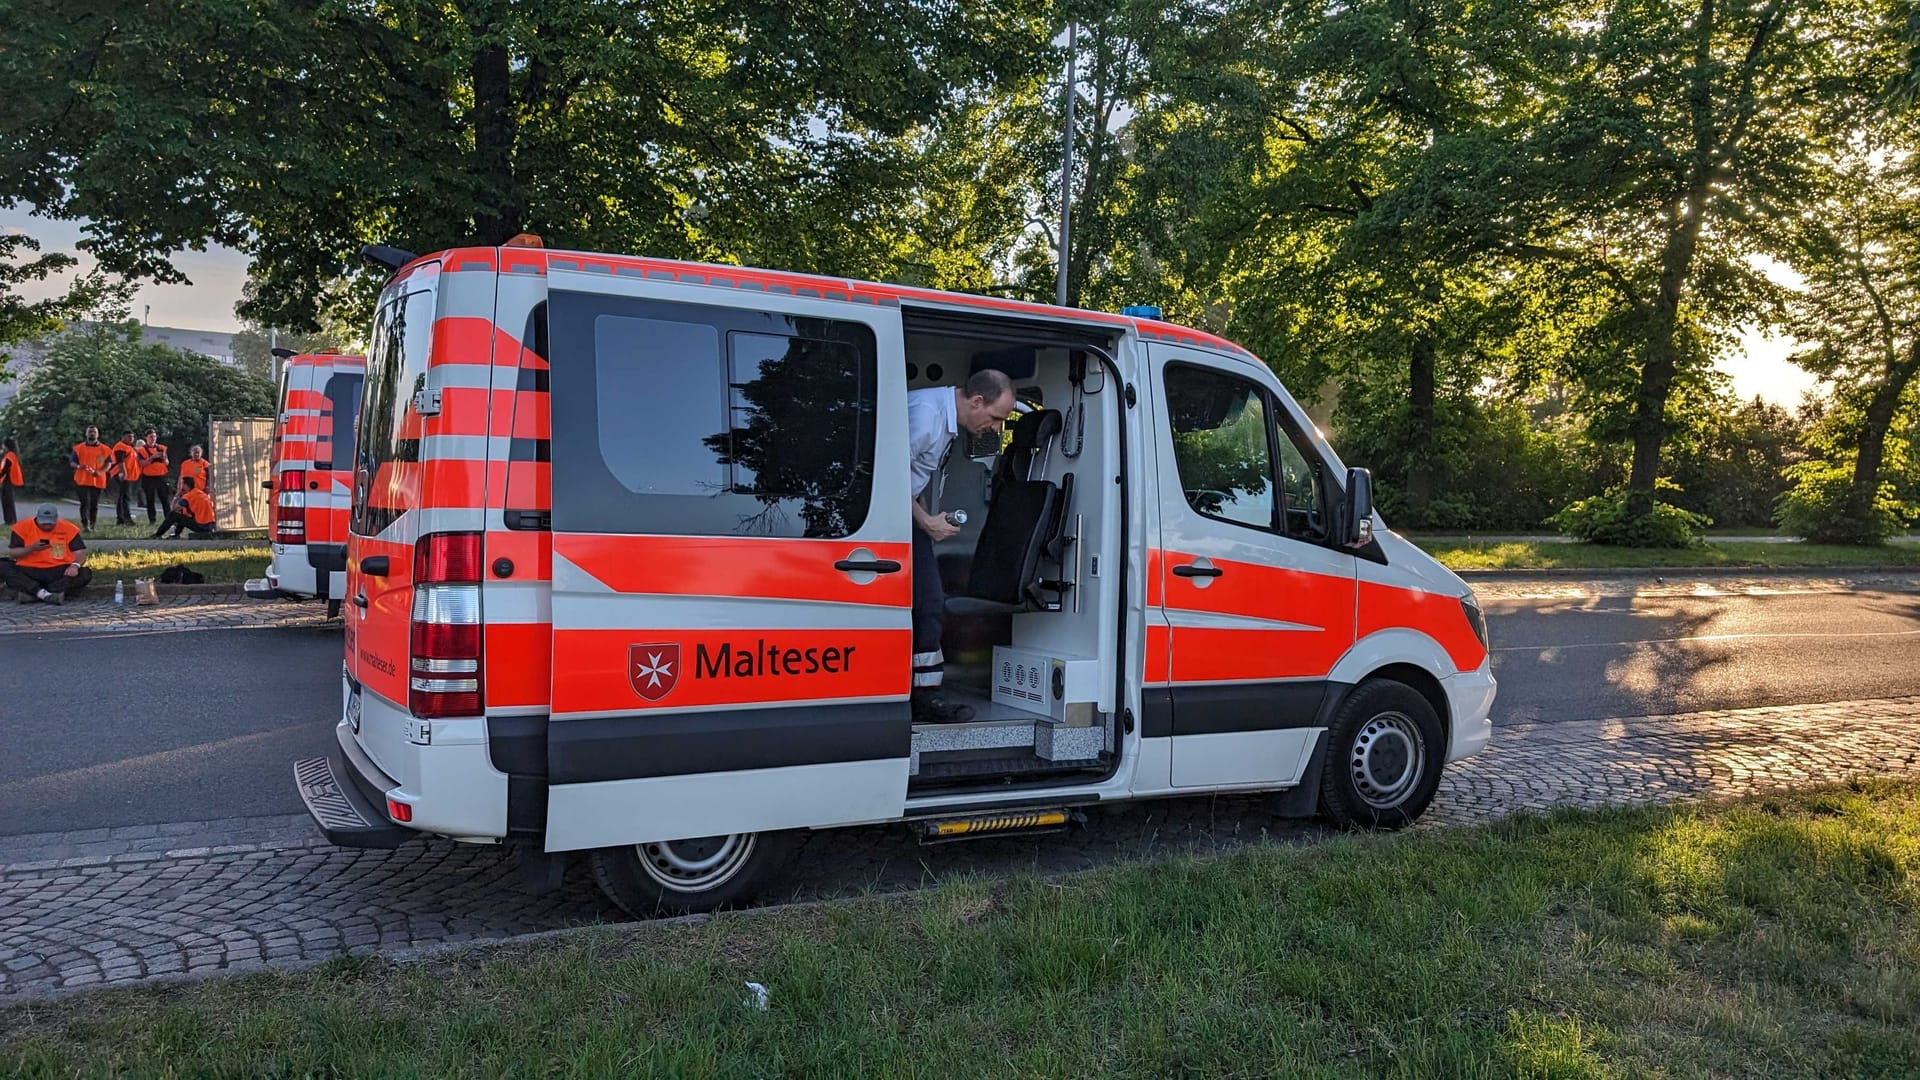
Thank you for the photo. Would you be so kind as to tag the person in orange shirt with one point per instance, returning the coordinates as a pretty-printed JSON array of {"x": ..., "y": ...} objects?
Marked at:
[
  {"x": 92, "y": 460},
  {"x": 192, "y": 511},
  {"x": 126, "y": 477},
  {"x": 196, "y": 467},
  {"x": 11, "y": 478},
  {"x": 45, "y": 559},
  {"x": 153, "y": 477}
]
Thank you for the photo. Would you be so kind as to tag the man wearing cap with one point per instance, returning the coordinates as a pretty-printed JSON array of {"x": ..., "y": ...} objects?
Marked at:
[{"x": 47, "y": 558}]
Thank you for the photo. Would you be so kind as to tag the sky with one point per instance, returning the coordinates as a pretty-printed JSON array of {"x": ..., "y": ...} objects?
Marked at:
[{"x": 218, "y": 275}]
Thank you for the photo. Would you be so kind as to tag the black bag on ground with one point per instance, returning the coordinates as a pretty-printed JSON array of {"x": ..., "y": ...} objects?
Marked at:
[{"x": 181, "y": 574}]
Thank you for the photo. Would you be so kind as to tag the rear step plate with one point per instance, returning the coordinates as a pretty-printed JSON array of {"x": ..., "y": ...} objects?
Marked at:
[
  {"x": 342, "y": 814},
  {"x": 976, "y": 826}
]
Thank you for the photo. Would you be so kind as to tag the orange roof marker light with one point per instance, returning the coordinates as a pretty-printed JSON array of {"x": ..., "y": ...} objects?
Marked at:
[{"x": 525, "y": 239}]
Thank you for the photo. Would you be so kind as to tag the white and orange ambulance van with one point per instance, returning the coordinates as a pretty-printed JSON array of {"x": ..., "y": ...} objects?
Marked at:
[
  {"x": 628, "y": 576},
  {"x": 312, "y": 477}
]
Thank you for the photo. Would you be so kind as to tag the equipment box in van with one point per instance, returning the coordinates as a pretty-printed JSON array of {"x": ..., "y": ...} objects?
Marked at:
[
  {"x": 311, "y": 477},
  {"x": 630, "y": 574}
]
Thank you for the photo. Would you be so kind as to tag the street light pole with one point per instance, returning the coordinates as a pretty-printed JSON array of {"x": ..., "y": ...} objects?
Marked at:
[{"x": 1066, "y": 166}]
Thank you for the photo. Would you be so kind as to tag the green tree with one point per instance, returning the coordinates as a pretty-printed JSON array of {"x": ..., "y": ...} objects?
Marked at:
[
  {"x": 107, "y": 376},
  {"x": 22, "y": 319},
  {"x": 738, "y": 130},
  {"x": 1860, "y": 310},
  {"x": 1680, "y": 131}
]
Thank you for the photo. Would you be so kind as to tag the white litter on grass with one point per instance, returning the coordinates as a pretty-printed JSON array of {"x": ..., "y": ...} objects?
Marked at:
[{"x": 758, "y": 1001}]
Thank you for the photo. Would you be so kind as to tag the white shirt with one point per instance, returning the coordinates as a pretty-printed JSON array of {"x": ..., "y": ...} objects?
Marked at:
[{"x": 931, "y": 426}]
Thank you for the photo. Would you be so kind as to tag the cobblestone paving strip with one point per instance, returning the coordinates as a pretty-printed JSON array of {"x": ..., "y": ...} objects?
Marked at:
[{"x": 117, "y": 906}]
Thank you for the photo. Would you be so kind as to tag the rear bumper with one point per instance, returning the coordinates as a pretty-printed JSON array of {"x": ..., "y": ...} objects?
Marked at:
[
  {"x": 290, "y": 574},
  {"x": 348, "y": 807}
]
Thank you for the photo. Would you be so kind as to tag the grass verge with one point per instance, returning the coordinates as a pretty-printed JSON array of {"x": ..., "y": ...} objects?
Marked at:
[
  {"x": 219, "y": 564},
  {"x": 1773, "y": 938},
  {"x": 1728, "y": 553}
]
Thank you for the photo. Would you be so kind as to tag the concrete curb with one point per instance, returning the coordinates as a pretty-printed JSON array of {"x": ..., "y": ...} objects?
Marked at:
[{"x": 1610, "y": 572}]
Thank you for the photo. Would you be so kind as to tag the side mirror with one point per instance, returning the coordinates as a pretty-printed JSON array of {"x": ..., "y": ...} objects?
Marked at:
[{"x": 1358, "y": 531}]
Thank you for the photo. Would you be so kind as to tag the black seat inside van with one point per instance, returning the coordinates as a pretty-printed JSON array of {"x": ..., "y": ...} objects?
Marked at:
[{"x": 1025, "y": 528}]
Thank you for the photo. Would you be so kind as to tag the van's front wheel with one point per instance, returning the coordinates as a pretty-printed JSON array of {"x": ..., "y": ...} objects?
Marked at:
[
  {"x": 676, "y": 877},
  {"x": 1384, "y": 753}
]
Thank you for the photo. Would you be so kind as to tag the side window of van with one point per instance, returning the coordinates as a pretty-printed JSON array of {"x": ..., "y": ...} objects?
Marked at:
[
  {"x": 1221, "y": 445},
  {"x": 396, "y": 368},
  {"x": 1302, "y": 493},
  {"x": 1236, "y": 461},
  {"x": 688, "y": 420}
]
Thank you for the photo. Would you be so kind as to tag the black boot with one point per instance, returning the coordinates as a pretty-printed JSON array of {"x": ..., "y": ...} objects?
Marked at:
[{"x": 930, "y": 708}]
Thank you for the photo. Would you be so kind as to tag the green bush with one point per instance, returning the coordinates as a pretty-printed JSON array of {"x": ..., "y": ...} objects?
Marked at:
[
  {"x": 1822, "y": 506},
  {"x": 1602, "y": 519}
]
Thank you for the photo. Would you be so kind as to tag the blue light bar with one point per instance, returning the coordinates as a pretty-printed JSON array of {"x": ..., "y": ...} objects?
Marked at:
[{"x": 1141, "y": 311}]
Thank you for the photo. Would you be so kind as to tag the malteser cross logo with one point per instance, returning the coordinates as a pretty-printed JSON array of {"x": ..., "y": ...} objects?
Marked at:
[{"x": 653, "y": 669}]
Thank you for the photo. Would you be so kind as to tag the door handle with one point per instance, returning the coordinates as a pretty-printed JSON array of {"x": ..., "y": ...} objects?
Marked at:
[
  {"x": 1195, "y": 570},
  {"x": 871, "y": 566},
  {"x": 360, "y": 600},
  {"x": 375, "y": 565}
]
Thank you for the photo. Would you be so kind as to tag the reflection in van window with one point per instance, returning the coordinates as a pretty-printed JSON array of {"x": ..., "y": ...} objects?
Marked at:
[
  {"x": 1220, "y": 445},
  {"x": 661, "y": 393},
  {"x": 692, "y": 420},
  {"x": 386, "y": 479}
]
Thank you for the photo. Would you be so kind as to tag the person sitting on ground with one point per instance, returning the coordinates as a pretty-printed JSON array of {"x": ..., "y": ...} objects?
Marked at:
[
  {"x": 192, "y": 511},
  {"x": 46, "y": 559}
]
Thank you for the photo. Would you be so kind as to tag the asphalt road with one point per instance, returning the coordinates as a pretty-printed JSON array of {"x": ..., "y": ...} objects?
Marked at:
[
  {"x": 109, "y": 729},
  {"x": 104, "y": 730}
]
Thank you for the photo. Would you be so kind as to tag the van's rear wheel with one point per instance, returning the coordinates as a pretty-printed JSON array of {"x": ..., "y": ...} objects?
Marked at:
[
  {"x": 1384, "y": 754},
  {"x": 675, "y": 877}
]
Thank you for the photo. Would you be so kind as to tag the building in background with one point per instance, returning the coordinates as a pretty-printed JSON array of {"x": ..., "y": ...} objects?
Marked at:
[{"x": 215, "y": 344}]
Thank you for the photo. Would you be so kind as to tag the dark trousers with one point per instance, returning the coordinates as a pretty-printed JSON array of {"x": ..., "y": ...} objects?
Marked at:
[
  {"x": 31, "y": 579},
  {"x": 7, "y": 513},
  {"x": 153, "y": 496},
  {"x": 177, "y": 521},
  {"x": 123, "y": 500},
  {"x": 929, "y": 616},
  {"x": 89, "y": 505}
]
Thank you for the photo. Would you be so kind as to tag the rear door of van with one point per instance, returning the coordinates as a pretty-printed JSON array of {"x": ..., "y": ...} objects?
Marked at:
[
  {"x": 386, "y": 518},
  {"x": 732, "y": 609}
]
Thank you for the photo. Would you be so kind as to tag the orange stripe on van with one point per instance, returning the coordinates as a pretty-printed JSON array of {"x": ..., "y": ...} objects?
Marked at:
[
  {"x": 519, "y": 660},
  {"x": 1221, "y": 655},
  {"x": 1265, "y": 592},
  {"x": 461, "y": 259},
  {"x": 454, "y": 485},
  {"x": 717, "y": 566},
  {"x": 689, "y": 668},
  {"x": 530, "y": 552},
  {"x": 1156, "y": 565},
  {"x": 1157, "y": 648},
  {"x": 461, "y": 340},
  {"x": 1437, "y": 615}
]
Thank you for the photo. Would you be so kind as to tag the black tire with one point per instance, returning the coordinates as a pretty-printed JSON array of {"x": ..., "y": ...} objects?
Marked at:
[
  {"x": 675, "y": 878},
  {"x": 333, "y": 609},
  {"x": 1384, "y": 755}
]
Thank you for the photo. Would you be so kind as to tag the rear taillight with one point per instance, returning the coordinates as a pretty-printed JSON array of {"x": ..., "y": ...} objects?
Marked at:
[
  {"x": 290, "y": 508},
  {"x": 445, "y": 647}
]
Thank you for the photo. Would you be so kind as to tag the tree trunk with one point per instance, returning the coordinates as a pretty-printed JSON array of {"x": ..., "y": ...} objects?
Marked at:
[
  {"x": 1420, "y": 382},
  {"x": 1873, "y": 433},
  {"x": 493, "y": 144}
]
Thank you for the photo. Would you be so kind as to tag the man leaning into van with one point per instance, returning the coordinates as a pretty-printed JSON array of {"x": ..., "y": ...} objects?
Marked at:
[{"x": 934, "y": 416}]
